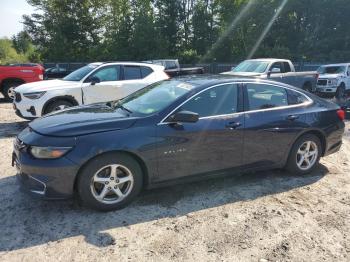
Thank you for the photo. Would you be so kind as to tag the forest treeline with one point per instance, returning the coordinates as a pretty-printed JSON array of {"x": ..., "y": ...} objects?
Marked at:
[{"x": 192, "y": 30}]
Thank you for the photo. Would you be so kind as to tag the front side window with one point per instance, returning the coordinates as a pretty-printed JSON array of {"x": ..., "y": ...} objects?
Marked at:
[
  {"x": 219, "y": 100},
  {"x": 277, "y": 67},
  {"x": 79, "y": 74},
  {"x": 262, "y": 96},
  {"x": 132, "y": 72},
  {"x": 110, "y": 73}
]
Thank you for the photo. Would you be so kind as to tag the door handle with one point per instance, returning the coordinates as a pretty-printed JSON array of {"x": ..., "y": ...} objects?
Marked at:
[
  {"x": 233, "y": 125},
  {"x": 292, "y": 117}
]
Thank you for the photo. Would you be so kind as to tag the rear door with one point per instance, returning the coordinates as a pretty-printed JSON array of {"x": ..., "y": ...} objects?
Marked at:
[
  {"x": 274, "y": 116},
  {"x": 108, "y": 89},
  {"x": 213, "y": 143}
]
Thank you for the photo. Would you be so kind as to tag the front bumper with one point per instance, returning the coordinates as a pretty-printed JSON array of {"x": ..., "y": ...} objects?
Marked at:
[
  {"x": 28, "y": 108},
  {"x": 326, "y": 89},
  {"x": 44, "y": 178}
]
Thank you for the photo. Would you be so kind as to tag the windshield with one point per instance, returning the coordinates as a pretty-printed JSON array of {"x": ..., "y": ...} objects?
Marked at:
[
  {"x": 331, "y": 69},
  {"x": 251, "y": 67},
  {"x": 79, "y": 74},
  {"x": 155, "y": 98}
]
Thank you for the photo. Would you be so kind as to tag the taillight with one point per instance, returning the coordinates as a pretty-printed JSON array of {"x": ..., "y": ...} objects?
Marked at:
[{"x": 341, "y": 114}]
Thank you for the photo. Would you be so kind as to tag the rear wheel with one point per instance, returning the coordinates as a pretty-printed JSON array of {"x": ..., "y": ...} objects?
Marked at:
[
  {"x": 58, "y": 105},
  {"x": 307, "y": 87},
  {"x": 305, "y": 155},
  {"x": 8, "y": 89},
  {"x": 110, "y": 182}
]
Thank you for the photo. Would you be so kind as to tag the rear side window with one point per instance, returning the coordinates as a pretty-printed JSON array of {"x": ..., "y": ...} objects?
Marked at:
[
  {"x": 220, "y": 100},
  {"x": 145, "y": 71},
  {"x": 295, "y": 98},
  {"x": 262, "y": 96},
  {"x": 132, "y": 72},
  {"x": 170, "y": 65},
  {"x": 286, "y": 67}
]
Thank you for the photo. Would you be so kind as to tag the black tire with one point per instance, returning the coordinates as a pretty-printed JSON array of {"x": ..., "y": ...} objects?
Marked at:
[
  {"x": 340, "y": 93},
  {"x": 307, "y": 87},
  {"x": 8, "y": 85},
  {"x": 86, "y": 175},
  {"x": 292, "y": 165},
  {"x": 55, "y": 105}
]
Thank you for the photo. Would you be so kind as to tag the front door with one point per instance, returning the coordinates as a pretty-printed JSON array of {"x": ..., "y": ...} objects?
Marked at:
[
  {"x": 213, "y": 143},
  {"x": 107, "y": 88}
]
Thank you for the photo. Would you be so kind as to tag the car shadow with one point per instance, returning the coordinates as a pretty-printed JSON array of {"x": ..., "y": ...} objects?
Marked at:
[
  {"x": 25, "y": 222},
  {"x": 12, "y": 129}
]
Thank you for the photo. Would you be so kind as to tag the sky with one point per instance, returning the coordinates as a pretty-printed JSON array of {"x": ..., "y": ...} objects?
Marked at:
[{"x": 11, "y": 12}]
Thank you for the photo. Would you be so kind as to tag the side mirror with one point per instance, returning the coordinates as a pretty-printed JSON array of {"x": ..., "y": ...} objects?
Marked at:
[
  {"x": 94, "y": 80},
  {"x": 275, "y": 70},
  {"x": 184, "y": 117}
]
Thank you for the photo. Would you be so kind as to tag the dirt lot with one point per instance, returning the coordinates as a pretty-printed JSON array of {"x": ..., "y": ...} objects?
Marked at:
[{"x": 268, "y": 215}]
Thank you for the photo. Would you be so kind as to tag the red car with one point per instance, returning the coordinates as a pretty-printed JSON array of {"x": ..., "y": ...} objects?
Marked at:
[{"x": 17, "y": 74}]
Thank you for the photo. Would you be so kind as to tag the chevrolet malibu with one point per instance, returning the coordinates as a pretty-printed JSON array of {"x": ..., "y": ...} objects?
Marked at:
[{"x": 180, "y": 129}]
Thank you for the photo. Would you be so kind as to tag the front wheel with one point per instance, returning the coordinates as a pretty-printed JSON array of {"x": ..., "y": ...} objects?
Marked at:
[
  {"x": 57, "y": 105},
  {"x": 340, "y": 93},
  {"x": 110, "y": 182},
  {"x": 9, "y": 90},
  {"x": 305, "y": 155}
]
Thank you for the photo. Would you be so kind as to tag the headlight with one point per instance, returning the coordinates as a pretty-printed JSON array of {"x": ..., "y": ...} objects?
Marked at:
[
  {"x": 34, "y": 95},
  {"x": 333, "y": 81},
  {"x": 48, "y": 152}
]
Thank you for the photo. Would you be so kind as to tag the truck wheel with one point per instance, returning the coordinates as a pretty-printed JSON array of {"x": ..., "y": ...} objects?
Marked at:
[
  {"x": 57, "y": 105},
  {"x": 307, "y": 87},
  {"x": 340, "y": 93},
  {"x": 8, "y": 90}
]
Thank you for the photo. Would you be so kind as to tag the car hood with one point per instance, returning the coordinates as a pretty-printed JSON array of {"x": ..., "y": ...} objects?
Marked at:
[
  {"x": 329, "y": 76},
  {"x": 242, "y": 73},
  {"x": 82, "y": 120},
  {"x": 46, "y": 85}
]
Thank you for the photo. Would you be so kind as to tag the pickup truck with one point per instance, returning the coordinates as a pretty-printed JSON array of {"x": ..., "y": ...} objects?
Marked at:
[
  {"x": 14, "y": 75},
  {"x": 280, "y": 70},
  {"x": 333, "y": 80},
  {"x": 172, "y": 67}
]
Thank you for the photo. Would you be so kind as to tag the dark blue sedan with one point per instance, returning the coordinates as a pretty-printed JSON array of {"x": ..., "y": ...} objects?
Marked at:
[{"x": 179, "y": 129}]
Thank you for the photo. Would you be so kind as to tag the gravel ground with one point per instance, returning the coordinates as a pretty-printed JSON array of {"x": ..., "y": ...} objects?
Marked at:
[{"x": 271, "y": 216}]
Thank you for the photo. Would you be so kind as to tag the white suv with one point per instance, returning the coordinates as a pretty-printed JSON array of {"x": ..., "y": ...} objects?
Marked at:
[{"x": 93, "y": 83}]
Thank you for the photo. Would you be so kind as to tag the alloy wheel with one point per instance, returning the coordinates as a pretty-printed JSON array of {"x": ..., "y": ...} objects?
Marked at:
[
  {"x": 11, "y": 93},
  {"x": 307, "y": 155},
  {"x": 60, "y": 107},
  {"x": 111, "y": 184}
]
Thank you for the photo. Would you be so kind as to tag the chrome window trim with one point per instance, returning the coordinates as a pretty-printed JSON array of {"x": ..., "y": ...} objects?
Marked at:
[{"x": 310, "y": 101}]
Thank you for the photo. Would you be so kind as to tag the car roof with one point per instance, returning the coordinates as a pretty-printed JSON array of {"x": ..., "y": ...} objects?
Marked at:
[
  {"x": 153, "y": 66},
  {"x": 340, "y": 64},
  {"x": 203, "y": 81},
  {"x": 268, "y": 60}
]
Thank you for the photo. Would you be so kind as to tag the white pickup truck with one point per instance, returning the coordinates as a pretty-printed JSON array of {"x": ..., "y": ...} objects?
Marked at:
[
  {"x": 333, "y": 79},
  {"x": 280, "y": 70}
]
